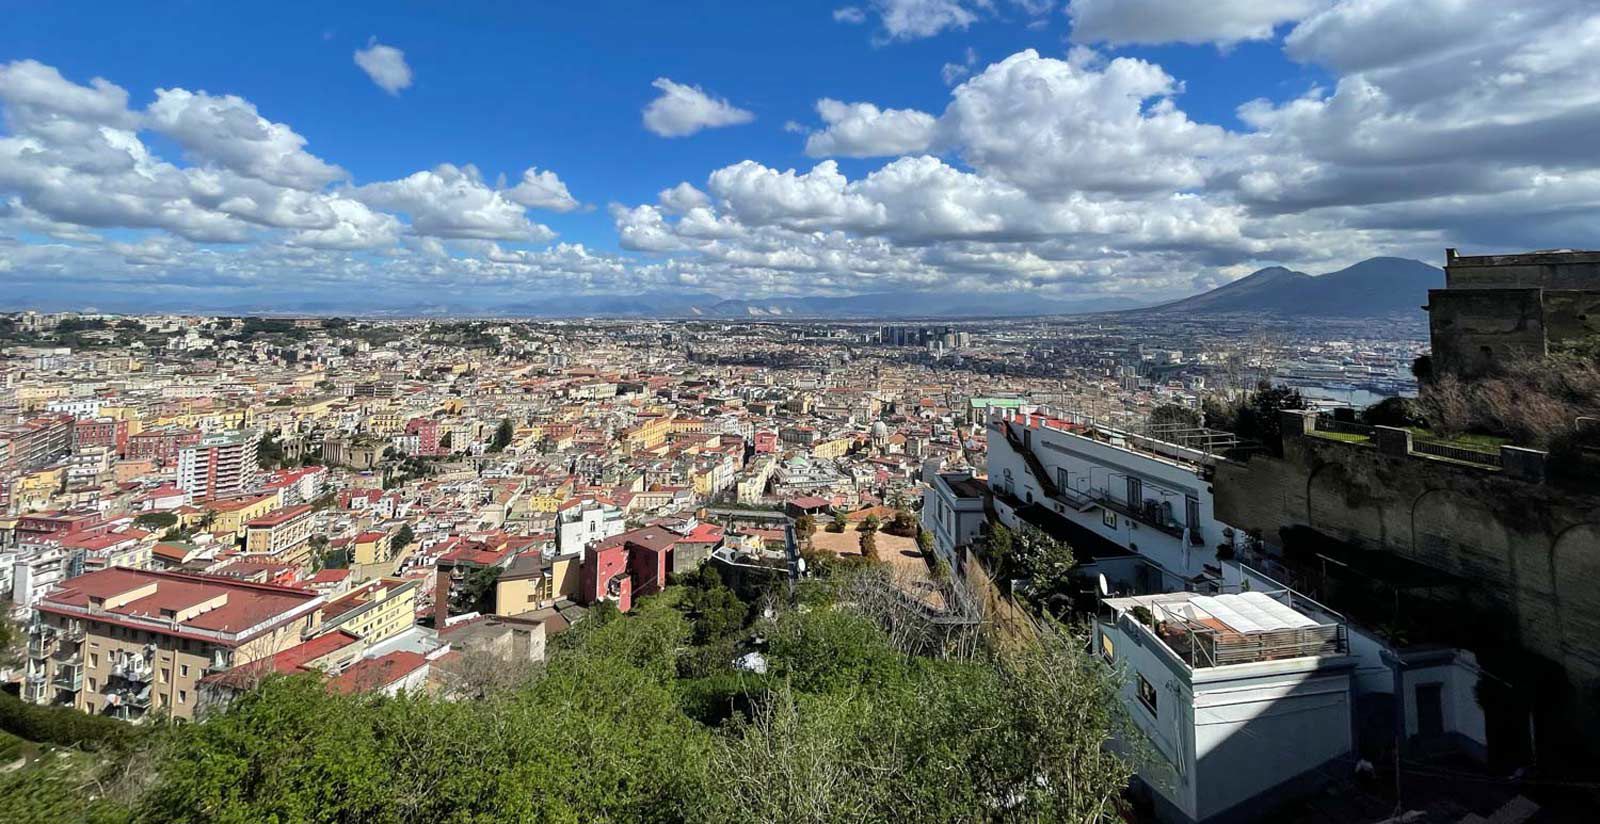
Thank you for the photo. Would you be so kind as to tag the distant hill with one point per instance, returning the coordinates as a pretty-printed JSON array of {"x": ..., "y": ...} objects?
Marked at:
[
  {"x": 1376, "y": 287},
  {"x": 886, "y": 305}
]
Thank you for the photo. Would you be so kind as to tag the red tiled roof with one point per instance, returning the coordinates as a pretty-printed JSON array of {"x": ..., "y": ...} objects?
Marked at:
[
  {"x": 248, "y": 605},
  {"x": 377, "y": 673}
]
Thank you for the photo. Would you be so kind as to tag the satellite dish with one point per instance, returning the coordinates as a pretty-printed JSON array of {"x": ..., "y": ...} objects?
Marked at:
[{"x": 1105, "y": 590}]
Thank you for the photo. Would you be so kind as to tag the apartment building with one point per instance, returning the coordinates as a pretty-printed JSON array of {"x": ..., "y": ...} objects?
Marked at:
[
  {"x": 128, "y": 643},
  {"x": 1109, "y": 491},
  {"x": 373, "y": 611},
  {"x": 218, "y": 465},
  {"x": 285, "y": 535},
  {"x": 35, "y": 442}
]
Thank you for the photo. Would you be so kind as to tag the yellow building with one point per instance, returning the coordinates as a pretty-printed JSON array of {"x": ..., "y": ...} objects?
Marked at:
[
  {"x": 129, "y": 643},
  {"x": 229, "y": 515},
  {"x": 375, "y": 610},
  {"x": 834, "y": 448},
  {"x": 284, "y": 535},
  {"x": 373, "y": 547}
]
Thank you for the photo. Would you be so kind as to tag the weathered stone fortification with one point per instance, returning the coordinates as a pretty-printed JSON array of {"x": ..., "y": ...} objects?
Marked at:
[
  {"x": 1498, "y": 307},
  {"x": 1531, "y": 549}
]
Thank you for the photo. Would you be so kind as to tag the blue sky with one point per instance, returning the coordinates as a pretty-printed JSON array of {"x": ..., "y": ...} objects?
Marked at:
[{"x": 1140, "y": 149}]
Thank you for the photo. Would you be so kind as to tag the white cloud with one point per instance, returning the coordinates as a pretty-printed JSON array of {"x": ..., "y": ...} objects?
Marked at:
[
  {"x": 386, "y": 65},
  {"x": 1223, "y": 22},
  {"x": 36, "y": 94},
  {"x": 453, "y": 202},
  {"x": 683, "y": 197},
  {"x": 229, "y": 132},
  {"x": 864, "y": 130},
  {"x": 952, "y": 73},
  {"x": 542, "y": 190},
  {"x": 1055, "y": 126},
  {"x": 915, "y": 19},
  {"x": 682, "y": 110},
  {"x": 850, "y": 14}
]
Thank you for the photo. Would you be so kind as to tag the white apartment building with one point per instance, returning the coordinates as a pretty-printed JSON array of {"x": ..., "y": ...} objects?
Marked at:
[
  {"x": 1109, "y": 488},
  {"x": 218, "y": 465},
  {"x": 581, "y": 524},
  {"x": 953, "y": 511}
]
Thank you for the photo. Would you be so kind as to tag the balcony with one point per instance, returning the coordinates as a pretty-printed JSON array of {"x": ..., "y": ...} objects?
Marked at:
[
  {"x": 70, "y": 680},
  {"x": 132, "y": 668}
]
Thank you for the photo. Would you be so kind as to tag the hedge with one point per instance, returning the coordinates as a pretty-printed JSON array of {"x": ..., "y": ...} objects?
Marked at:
[{"x": 62, "y": 725}]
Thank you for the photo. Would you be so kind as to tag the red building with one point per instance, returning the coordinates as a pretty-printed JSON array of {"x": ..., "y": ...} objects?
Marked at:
[
  {"x": 427, "y": 432},
  {"x": 633, "y": 563},
  {"x": 766, "y": 442},
  {"x": 106, "y": 432},
  {"x": 160, "y": 445}
]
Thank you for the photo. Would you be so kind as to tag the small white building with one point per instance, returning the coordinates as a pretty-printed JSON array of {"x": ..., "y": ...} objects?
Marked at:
[
  {"x": 1243, "y": 697},
  {"x": 580, "y": 523},
  {"x": 953, "y": 511}
]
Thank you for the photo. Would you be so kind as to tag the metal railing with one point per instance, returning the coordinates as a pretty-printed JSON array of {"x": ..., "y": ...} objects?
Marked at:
[{"x": 1454, "y": 452}]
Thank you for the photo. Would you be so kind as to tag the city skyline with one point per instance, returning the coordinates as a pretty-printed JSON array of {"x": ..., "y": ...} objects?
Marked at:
[{"x": 1082, "y": 151}]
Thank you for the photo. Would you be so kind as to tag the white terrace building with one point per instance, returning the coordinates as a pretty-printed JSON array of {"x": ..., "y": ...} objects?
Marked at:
[{"x": 1242, "y": 696}]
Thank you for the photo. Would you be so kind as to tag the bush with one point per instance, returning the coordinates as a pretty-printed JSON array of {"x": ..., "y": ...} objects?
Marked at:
[
  {"x": 1401, "y": 412},
  {"x": 64, "y": 726}
]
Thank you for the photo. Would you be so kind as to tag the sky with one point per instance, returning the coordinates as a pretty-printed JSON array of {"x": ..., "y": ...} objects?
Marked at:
[{"x": 404, "y": 154}]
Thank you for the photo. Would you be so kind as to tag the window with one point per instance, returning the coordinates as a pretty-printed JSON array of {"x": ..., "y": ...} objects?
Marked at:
[
  {"x": 1135, "y": 492},
  {"x": 184, "y": 671},
  {"x": 1107, "y": 649},
  {"x": 183, "y": 696},
  {"x": 1191, "y": 512},
  {"x": 166, "y": 674},
  {"x": 94, "y": 659},
  {"x": 91, "y": 684},
  {"x": 1147, "y": 695}
]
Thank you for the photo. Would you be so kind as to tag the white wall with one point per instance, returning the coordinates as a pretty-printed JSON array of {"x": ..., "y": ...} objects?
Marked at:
[{"x": 1094, "y": 466}]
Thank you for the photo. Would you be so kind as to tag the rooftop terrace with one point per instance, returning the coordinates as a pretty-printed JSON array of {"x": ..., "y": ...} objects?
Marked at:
[{"x": 1202, "y": 631}]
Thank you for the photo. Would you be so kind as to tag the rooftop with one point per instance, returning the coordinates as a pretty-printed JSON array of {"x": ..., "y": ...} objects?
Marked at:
[
  {"x": 1238, "y": 628},
  {"x": 220, "y": 609}
]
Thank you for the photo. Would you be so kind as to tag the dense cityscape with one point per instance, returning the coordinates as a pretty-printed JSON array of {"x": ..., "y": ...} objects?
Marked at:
[{"x": 970, "y": 411}]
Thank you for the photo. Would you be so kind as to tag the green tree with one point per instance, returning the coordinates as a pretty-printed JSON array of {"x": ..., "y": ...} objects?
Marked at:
[
  {"x": 476, "y": 593},
  {"x": 502, "y": 436},
  {"x": 869, "y": 545},
  {"x": 1173, "y": 415},
  {"x": 403, "y": 537},
  {"x": 154, "y": 521},
  {"x": 870, "y": 524},
  {"x": 838, "y": 524},
  {"x": 805, "y": 526}
]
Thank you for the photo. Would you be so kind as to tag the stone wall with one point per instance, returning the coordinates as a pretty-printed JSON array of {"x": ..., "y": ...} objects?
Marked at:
[
  {"x": 1532, "y": 549},
  {"x": 1472, "y": 329},
  {"x": 1571, "y": 314},
  {"x": 1543, "y": 271}
]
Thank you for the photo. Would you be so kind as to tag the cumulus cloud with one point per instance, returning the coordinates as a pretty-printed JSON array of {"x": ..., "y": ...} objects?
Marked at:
[
  {"x": 453, "y": 202},
  {"x": 683, "y": 110},
  {"x": 72, "y": 161},
  {"x": 1081, "y": 175},
  {"x": 1223, "y": 22},
  {"x": 864, "y": 130},
  {"x": 542, "y": 190},
  {"x": 229, "y": 132},
  {"x": 386, "y": 65}
]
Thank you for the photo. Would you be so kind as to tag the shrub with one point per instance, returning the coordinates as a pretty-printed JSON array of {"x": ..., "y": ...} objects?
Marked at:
[{"x": 61, "y": 725}]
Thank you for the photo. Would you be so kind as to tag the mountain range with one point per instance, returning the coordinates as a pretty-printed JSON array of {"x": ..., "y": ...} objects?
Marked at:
[{"x": 1376, "y": 287}]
